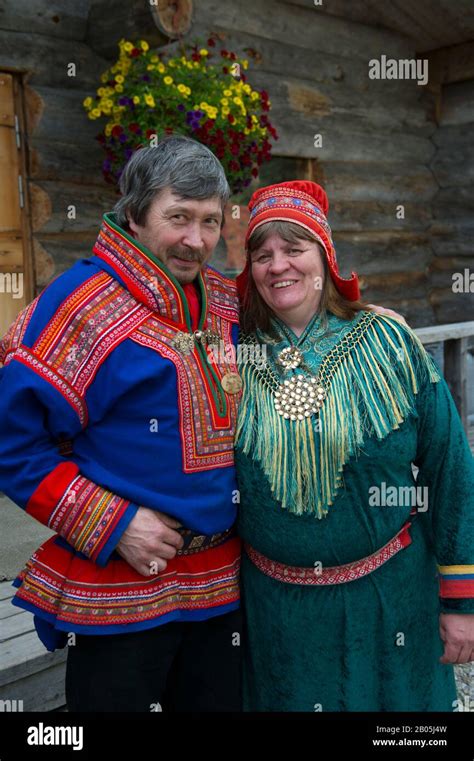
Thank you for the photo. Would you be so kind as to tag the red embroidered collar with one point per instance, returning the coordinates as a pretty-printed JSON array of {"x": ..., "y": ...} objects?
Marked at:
[{"x": 146, "y": 277}]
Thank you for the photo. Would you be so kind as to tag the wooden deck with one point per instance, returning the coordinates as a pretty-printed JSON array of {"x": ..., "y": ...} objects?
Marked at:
[{"x": 28, "y": 672}]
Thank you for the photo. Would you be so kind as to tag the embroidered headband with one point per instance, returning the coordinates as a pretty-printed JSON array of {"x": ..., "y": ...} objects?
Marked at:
[{"x": 306, "y": 204}]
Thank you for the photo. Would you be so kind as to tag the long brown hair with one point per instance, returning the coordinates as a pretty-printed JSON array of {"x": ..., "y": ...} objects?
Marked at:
[{"x": 255, "y": 312}]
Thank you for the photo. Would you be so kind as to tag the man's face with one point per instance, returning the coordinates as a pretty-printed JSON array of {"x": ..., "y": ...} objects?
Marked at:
[{"x": 182, "y": 233}]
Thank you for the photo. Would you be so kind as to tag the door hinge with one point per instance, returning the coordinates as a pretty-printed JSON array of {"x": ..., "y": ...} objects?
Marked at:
[
  {"x": 17, "y": 132},
  {"x": 20, "y": 191}
]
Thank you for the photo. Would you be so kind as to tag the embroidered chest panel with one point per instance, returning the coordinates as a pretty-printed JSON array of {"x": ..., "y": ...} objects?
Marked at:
[{"x": 207, "y": 436}]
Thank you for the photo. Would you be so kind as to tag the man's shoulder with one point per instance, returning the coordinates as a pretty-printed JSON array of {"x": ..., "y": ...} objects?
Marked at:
[
  {"x": 64, "y": 303},
  {"x": 222, "y": 293}
]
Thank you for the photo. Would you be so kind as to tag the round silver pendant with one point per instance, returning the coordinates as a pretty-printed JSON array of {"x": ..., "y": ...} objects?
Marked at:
[{"x": 299, "y": 397}]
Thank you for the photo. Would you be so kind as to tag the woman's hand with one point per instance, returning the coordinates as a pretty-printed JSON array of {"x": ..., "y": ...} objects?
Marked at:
[
  {"x": 457, "y": 632},
  {"x": 388, "y": 313}
]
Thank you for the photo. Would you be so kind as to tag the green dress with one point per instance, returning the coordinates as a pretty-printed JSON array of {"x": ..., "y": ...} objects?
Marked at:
[{"x": 312, "y": 494}]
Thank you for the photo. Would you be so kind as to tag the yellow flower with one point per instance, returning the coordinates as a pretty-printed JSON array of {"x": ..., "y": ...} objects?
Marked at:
[
  {"x": 168, "y": 80},
  {"x": 101, "y": 91},
  {"x": 237, "y": 101},
  {"x": 95, "y": 113},
  {"x": 119, "y": 79},
  {"x": 228, "y": 93},
  {"x": 144, "y": 45},
  {"x": 108, "y": 130},
  {"x": 247, "y": 89},
  {"x": 119, "y": 88},
  {"x": 189, "y": 64},
  {"x": 182, "y": 88},
  {"x": 225, "y": 101},
  {"x": 245, "y": 63},
  {"x": 246, "y": 131},
  {"x": 128, "y": 46},
  {"x": 196, "y": 64},
  {"x": 204, "y": 52},
  {"x": 203, "y": 105},
  {"x": 225, "y": 111},
  {"x": 171, "y": 63},
  {"x": 188, "y": 90},
  {"x": 154, "y": 59},
  {"x": 161, "y": 68},
  {"x": 254, "y": 95},
  {"x": 104, "y": 77},
  {"x": 150, "y": 67},
  {"x": 136, "y": 99},
  {"x": 149, "y": 100},
  {"x": 87, "y": 102}
]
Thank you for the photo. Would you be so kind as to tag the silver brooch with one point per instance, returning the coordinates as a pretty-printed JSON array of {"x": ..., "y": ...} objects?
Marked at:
[
  {"x": 184, "y": 342},
  {"x": 290, "y": 357}
]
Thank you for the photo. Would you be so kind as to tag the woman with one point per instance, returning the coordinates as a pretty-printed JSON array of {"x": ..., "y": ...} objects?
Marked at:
[{"x": 341, "y": 543}]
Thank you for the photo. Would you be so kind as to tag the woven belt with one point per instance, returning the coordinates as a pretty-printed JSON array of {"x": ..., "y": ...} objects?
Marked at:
[
  {"x": 194, "y": 542},
  {"x": 338, "y": 574}
]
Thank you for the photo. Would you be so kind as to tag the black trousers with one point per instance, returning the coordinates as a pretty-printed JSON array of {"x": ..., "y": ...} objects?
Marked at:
[{"x": 190, "y": 666}]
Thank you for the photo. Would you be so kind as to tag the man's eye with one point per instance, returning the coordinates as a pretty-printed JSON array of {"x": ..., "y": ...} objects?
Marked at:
[
  {"x": 212, "y": 220},
  {"x": 178, "y": 216}
]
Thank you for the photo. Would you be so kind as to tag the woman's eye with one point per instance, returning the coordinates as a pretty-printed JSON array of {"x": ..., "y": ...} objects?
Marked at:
[{"x": 296, "y": 251}]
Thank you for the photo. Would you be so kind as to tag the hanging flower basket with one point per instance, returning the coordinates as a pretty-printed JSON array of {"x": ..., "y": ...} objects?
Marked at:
[{"x": 202, "y": 93}]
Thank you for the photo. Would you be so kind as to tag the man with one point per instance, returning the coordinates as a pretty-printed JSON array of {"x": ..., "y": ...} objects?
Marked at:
[{"x": 116, "y": 431}]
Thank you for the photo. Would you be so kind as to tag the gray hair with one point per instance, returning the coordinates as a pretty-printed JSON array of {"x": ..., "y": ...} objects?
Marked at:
[{"x": 185, "y": 166}]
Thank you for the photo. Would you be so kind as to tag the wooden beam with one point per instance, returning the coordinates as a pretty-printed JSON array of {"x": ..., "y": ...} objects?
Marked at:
[
  {"x": 451, "y": 64},
  {"x": 455, "y": 372}
]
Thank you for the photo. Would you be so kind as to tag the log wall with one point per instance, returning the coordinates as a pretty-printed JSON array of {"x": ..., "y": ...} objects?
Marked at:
[{"x": 382, "y": 147}]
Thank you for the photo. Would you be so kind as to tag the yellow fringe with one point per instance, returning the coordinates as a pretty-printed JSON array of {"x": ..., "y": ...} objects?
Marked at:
[{"x": 372, "y": 382}]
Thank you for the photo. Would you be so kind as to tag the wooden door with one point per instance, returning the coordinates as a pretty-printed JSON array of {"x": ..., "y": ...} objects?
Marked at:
[{"x": 15, "y": 276}]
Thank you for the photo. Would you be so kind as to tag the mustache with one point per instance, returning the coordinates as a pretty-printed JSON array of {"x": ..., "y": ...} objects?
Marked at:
[{"x": 189, "y": 256}]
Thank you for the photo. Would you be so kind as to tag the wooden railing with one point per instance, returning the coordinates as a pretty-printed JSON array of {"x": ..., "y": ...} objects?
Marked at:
[{"x": 457, "y": 340}]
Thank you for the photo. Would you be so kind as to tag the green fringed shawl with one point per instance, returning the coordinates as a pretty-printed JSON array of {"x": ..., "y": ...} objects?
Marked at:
[{"x": 371, "y": 377}]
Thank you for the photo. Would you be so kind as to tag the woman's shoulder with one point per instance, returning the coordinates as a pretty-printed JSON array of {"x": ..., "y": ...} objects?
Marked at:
[{"x": 389, "y": 340}]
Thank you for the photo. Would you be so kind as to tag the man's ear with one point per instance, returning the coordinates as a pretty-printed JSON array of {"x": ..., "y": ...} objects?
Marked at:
[{"x": 131, "y": 223}]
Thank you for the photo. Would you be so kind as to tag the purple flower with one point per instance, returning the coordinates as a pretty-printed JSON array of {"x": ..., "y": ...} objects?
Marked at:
[
  {"x": 123, "y": 138},
  {"x": 128, "y": 153},
  {"x": 146, "y": 78},
  {"x": 106, "y": 165},
  {"x": 181, "y": 107}
]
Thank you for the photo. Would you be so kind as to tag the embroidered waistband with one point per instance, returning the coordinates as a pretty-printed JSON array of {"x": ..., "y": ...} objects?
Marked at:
[
  {"x": 194, "y": 542},
  {"x": 338, "y": 574}
]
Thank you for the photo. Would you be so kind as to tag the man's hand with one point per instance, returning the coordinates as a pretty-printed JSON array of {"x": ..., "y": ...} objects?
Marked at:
[
  {"x": 150, "y": 538},
  {"x": 388, "y": 312},
  {"x": 457, "y": 632}
]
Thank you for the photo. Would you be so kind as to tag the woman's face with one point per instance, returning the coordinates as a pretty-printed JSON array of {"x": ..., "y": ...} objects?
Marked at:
[{"x": 289, "y": 276}]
